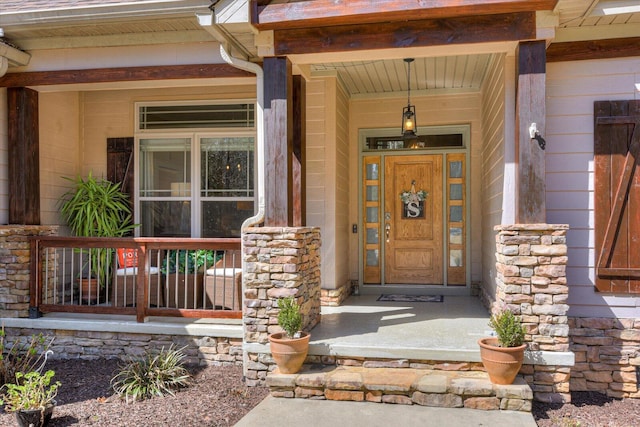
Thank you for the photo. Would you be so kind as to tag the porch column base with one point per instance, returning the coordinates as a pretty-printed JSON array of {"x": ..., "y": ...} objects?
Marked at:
[
  {"x": 278, "y": 262},
  {"x": 531, "y": 281}
]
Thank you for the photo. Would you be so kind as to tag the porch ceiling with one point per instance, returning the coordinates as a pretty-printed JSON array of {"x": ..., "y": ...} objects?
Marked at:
[
  {"x": 64, "y": 24},
  {"x": 389, "y": 76}
]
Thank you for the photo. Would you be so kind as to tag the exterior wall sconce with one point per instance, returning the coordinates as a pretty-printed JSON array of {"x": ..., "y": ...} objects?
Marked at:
[
  {"x": 409, "y": 123},
  {"x": 535, "y": 134}
]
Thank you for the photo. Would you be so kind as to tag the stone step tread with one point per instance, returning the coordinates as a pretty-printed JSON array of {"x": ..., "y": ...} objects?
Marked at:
[{"x": 469, "y": 389}]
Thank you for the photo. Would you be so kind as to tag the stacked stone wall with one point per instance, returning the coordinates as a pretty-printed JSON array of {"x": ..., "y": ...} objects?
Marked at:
[
  {"x": 15, "y": 259},
  {"x": 88, "y": 345},
  {"x": 279, "y": 262},
  {"x": 531, "y": 281},
  {"x": 607, "y": 355},
  {"x": 335, "y": 297}
]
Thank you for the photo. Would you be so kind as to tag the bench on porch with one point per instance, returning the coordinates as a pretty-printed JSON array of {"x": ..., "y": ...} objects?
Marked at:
[{"x": 223, "y": 282}]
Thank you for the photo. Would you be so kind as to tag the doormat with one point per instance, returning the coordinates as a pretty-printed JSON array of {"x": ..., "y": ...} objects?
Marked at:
[{"x": 411, "y": 298}]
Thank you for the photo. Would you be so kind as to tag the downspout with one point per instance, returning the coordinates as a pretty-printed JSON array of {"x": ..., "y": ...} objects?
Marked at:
[
  {"x": 257, "y": 70},
  {"x": 207, "y": 23}
]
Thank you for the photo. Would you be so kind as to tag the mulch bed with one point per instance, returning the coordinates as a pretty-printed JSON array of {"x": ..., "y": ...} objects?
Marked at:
[
  {"x": 589, "y": 409},
  {"x": 217, "y": 397}
]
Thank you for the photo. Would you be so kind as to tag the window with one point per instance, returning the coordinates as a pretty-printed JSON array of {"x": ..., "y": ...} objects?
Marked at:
[{"x": 196, "y": 184}]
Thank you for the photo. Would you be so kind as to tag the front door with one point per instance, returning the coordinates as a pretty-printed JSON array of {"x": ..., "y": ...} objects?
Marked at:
[{"x": 414, "y": 219}]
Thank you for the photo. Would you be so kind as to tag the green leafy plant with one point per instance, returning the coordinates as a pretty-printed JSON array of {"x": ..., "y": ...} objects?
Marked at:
[
  {"x": 508, "y": 328},
  {"x": 155, "y": 375},
  {"x": 31, "y": 391},
  {"x": 188, "y": 261},
  {"x": 22, "y": 355},
  {"x": 289, "y": 317},
  {"x": 97, "y": 208}
]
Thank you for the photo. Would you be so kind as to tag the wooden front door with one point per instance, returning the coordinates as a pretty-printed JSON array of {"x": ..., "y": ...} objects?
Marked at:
[{"x": 412, "y": 219}]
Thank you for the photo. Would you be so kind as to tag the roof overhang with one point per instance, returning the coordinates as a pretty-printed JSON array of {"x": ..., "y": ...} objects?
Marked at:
[{"x": 268, "y": 15}]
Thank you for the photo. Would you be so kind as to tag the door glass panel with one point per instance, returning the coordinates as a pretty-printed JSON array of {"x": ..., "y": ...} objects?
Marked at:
[
  {"x": 455, "y": 191},
  {"x": 455, "y": 213},
  {"x": 455, "y": 236},
  {"x": 455, "y": 258},
  {"x": 372, "y": 193},
  {"x": 372, "y": 171},
  {"x": 372, "y": 257},
  {"x": 455, "y": 169},
  {"x": 372, "y": 235},
  {"x": 372, "y": 214}
]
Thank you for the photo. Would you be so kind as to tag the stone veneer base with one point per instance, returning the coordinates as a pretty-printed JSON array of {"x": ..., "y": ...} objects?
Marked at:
[{"x": 404, "y": 386}]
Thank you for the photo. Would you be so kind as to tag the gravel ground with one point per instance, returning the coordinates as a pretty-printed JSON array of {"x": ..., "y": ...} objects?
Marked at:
[
  {"x": 589, "y": 409},
  {"x": 217, "y": 397}
]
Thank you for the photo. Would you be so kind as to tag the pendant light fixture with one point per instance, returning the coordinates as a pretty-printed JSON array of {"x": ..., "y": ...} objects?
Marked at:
[{"x": 409, "y": 114}]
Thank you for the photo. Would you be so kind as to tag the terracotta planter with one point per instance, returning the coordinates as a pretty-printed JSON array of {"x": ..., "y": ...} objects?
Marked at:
[
  {"x": 501, "y": 363},
  {"x": 289, "y": 354},
  {"x": 35, "y": 417},
  {"x": 89, "y": 290}
]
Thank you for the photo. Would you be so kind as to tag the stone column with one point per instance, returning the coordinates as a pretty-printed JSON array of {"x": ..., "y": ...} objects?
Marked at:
[
  {"x": 279, "y": 262},
  {"x": 531, "y": 281},
  {"x": 15, "y": 261}
]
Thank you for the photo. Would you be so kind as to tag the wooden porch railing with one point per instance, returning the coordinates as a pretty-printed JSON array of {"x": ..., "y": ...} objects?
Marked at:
[{"x": 144, "y": 277}]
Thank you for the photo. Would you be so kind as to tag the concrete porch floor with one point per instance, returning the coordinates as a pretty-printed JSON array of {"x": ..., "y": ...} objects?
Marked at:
[{"x": 365, "y": 327}]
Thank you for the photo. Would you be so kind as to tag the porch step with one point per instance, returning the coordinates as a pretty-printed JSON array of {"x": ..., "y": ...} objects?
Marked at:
[{"x": 406, "y": 386}]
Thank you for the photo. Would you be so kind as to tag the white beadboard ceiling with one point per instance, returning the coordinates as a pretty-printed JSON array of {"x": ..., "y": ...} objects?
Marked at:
[{"x": 464, "y": 72}]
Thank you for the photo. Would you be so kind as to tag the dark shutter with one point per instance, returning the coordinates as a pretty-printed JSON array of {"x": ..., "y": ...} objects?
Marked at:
[
  {"x": 120, "y": 164},
  {"x": 617, "y": 195}
]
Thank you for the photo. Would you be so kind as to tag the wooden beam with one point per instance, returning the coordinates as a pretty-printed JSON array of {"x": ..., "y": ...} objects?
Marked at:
[
  {"x": 530, "y": 108},
  {"x": 23, "y": 157},
  {"x": 322, "y": 13},
  {"x": 278, "y": 124},
  {"x": 432, "y": 32},
  {"x": 298, "y": 160},
  {"x": 109, "y": 75},
  {"x": 594, "y": 49}
]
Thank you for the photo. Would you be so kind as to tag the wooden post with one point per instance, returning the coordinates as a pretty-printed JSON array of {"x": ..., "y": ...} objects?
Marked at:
[
  {"x": 530, "y": 108},
  {"x": 23, "y": 151},
  {"x": 299, "y": 152},
  {"x": 278, "y": 124}
]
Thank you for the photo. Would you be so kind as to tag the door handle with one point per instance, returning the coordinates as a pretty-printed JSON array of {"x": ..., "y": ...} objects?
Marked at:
[{"x": 387, "y": 231}]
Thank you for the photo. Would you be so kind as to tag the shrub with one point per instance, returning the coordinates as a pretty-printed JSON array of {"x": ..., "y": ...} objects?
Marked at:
[
  {"x": 21, "y": 355},
  {"x": 289, "y": 317},
  {"x": 508, "y": 328},
  {"x": 31, "y": 391},
  {"x": 155, "y": 375}
]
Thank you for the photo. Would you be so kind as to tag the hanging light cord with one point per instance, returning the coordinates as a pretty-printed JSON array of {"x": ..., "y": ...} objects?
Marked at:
[{"x": 408, "y": 83}]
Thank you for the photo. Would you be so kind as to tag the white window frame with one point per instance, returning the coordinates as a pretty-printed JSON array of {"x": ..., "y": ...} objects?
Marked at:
[{"x": 195, "y": 135}]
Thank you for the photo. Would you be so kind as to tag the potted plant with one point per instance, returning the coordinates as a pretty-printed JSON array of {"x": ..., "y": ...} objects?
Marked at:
[
  {"x": 502, "y": 355},
  {"x": 96, "y": 208},
  {"x": 290, "y": 347},
  {"x": 31, "y": 398},
  {"x": 184, "y": 276}
]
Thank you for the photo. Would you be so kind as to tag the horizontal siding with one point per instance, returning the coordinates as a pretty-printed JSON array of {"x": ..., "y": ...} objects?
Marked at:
[
  {"x": 572, "y": 88},
  {"x": 60, "y": 125},
  {"x": 493, "y": 162}
]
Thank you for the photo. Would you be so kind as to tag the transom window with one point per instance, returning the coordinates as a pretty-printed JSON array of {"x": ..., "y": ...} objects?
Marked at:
[{"x": 196, "y": 184}]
